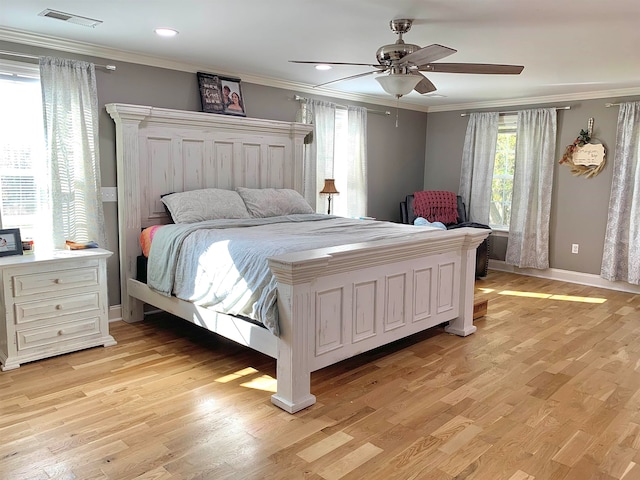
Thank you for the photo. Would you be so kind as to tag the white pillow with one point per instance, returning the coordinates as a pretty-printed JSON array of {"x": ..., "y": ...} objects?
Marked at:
[
  {"x": 206, "y": 204},
  {"x": 273, "y": 202}
]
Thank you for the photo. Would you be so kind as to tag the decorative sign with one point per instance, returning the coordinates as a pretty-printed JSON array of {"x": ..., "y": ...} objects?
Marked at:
[
  {"x": 585, "y": 156},
  {"x": 589, "y": 154}
]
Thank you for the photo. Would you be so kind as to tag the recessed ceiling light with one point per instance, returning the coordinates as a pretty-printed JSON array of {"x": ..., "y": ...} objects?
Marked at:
[
  {"x": 323, "y": 66},
  {"x": 166, "y": 32}
]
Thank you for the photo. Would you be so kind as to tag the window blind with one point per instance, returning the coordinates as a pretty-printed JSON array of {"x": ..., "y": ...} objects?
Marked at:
[{"x": 24, "y": 182}]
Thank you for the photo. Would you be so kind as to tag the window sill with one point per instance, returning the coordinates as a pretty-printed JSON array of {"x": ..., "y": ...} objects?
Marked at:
[{"x": 496, "y": 232}]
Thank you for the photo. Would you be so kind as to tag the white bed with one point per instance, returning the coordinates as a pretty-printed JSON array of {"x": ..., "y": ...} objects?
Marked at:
[{"x": 334, "y": 302}]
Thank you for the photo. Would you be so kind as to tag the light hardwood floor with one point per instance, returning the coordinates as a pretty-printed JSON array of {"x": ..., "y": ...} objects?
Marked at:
[{"x": 547, "y": 388}]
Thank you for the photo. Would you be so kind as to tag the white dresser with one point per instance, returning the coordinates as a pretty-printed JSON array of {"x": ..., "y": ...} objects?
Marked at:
[{"x": 52, "y": 303}]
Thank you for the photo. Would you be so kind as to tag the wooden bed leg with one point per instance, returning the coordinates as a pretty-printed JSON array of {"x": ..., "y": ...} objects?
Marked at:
[
  {"x": 293, "y": 375},
  {"x": 463, "y": 325},
  {"x": 132, "y": 310},
  {"x": 294, "y": 383}
]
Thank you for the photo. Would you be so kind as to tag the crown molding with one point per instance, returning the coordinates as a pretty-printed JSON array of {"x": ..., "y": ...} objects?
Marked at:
[
  {"x": 81, "y": 48},
  {"x": 622, "y": 92}
]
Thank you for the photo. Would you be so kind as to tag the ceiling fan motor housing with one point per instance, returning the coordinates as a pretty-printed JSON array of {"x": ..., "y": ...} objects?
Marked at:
[{"x": 388, "y": 54}]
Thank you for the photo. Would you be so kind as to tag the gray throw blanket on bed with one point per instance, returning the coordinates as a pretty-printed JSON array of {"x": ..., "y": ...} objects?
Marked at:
[{"x": 222, "y": 264}]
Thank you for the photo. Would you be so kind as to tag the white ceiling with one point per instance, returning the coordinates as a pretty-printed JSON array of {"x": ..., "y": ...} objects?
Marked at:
[{"x": 570, "y": 49}]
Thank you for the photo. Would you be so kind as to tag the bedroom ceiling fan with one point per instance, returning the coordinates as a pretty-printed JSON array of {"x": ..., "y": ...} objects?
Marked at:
[{"x": 404, "y": 63}]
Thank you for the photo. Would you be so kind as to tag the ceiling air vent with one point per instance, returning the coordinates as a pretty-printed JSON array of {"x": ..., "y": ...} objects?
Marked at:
[{"x": 68, "y": 17}]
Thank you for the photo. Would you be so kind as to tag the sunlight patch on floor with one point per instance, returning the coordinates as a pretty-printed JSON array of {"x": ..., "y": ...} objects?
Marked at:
[
  {"x": 565, "y": 298},
  {"x": 486, "y": 290},
  {"x": 265, "y": 383},
  {"x": 239, "y": 374}
]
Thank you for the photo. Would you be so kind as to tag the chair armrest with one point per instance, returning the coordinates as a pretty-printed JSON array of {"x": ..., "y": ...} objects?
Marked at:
[{"x": 403, "y": 212}]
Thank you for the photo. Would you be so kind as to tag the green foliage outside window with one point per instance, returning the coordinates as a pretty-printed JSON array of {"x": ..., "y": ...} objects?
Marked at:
[{"x": 502, "y": 183}]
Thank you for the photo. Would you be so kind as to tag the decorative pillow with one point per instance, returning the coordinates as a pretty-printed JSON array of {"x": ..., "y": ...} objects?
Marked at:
[
  {"x": 273, "y": 202},
  {"x": 146, "y": 237},
  {"x": 206, "y": 204}
]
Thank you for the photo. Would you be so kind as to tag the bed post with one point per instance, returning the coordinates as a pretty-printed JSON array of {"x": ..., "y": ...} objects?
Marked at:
[
  {"x": 296, "y": 340},
  {"x": 463, "y": 325},
  {"x": 127, "y": 120}
]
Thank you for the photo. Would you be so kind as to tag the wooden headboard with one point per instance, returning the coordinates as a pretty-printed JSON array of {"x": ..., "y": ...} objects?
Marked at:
[{"x": 160, "y": 151}]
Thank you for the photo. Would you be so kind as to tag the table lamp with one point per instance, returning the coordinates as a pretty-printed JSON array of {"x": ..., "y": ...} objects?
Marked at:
[{"x": 330, "y": 190}]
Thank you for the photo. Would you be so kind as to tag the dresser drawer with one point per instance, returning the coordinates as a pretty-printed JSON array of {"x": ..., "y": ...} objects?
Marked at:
[
  {"x": 55, "y": 281},
  {"x": 54, "y": 307},
  {"x": 53, "y": 334}
]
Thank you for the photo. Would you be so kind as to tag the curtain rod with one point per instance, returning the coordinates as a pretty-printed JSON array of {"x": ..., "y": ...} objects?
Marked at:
[
  {"x": 612, "y": 105},
  {"x": 516, "y": 111},
  {"x": 36, "y": 57},
  {"x": 298, "y": 98}
]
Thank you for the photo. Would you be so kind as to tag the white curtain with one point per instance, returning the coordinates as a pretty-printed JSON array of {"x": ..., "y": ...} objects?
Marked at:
[
  {"x": 354, "y": 201},
  {"x": 621, "y": 257},
  {"x": 70, "y": 107},
  {"x": 318, "y": 162},
  {"x": 528, "y": 245},
  {"x": 478, "y": 157},
  {"x": 322, "y": 153}
]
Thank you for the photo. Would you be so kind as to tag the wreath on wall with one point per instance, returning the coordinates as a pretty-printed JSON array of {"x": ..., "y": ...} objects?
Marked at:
[{"x": 580, "y": 169}]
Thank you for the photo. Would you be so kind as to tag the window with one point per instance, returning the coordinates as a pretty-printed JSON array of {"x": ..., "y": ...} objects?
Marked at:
[
  {"x": 340, "y": 162},
  {"x": 24, "y": 181},
  {"x": 503, "y": 169}
]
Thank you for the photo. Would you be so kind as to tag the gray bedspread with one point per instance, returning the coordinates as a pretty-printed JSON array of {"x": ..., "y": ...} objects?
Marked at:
[{"x": 222, "y": 264}]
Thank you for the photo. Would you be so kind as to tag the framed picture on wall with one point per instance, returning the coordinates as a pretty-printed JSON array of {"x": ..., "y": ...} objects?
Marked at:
[
  {"x": 10, "y": 242},
  {"x": 220, "y": 94}
]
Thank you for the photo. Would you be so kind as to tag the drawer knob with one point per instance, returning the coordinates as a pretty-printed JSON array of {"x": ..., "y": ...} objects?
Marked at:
[
  {"x": 59, "y": 307},
  {"x": 58, "y": 280},
  {"x": 60, "y": 332}
]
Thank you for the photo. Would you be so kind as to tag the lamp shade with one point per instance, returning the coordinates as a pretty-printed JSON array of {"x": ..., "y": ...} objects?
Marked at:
[
  {"x": 329, "y": 187},
  {"x": 398, "y": 84}
]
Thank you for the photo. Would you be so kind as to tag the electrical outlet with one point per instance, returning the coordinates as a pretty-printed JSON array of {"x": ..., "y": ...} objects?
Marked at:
[
  {"x": 574, "y": 248},
  {"x": 109, "y": 194}
]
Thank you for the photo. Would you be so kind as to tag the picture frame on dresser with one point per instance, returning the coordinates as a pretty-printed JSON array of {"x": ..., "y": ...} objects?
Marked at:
[{"x": 10, "y": 242}]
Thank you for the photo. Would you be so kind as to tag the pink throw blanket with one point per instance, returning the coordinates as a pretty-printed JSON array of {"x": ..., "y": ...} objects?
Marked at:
[{"x": 436, "y": 206}]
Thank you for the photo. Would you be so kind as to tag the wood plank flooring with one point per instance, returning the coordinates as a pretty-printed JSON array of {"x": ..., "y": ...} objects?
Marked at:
[{"x": 547, "y": 388}]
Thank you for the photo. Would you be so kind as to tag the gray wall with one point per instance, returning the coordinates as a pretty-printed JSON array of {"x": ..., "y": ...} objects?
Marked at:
[
  {"x": 579, "y": 205},
  {"x": 395, "y": 155}
]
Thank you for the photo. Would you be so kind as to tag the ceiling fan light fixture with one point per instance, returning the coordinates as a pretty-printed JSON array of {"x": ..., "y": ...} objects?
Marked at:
[{"x": 398, "y": 84}]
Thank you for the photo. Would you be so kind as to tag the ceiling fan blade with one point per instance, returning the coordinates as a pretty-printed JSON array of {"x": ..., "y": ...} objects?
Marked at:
[
  {"x": 337, "y": 63},
  {"x": 427, "y": 54},
  {"x": 347, "y": 78},
  {"x": 483, "y": 68},
  {"x": 425, "y": 85}
]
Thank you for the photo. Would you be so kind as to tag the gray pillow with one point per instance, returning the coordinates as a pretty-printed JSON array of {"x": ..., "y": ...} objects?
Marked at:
[
  {"x": 206, "y": 204},
  {"x": 273, "y": 202}
]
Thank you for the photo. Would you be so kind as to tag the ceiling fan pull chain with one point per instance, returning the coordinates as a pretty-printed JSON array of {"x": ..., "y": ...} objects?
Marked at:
[{"x": 397, "y": 108}]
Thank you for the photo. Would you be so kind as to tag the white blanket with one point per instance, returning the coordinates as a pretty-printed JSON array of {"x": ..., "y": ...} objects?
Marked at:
[{"x": 222, "y": 264}]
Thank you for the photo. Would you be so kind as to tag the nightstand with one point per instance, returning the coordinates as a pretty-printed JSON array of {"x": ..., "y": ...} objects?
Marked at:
[{"x": 52, "y": 303}]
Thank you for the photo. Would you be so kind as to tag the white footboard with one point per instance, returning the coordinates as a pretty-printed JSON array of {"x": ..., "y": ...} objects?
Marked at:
[{"x": 335, "y": 303}]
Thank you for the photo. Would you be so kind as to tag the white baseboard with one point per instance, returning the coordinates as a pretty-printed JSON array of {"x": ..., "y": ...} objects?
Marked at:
[
  {"x": 566, "y": 276},
  {"x": 115, "y": 313}
]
